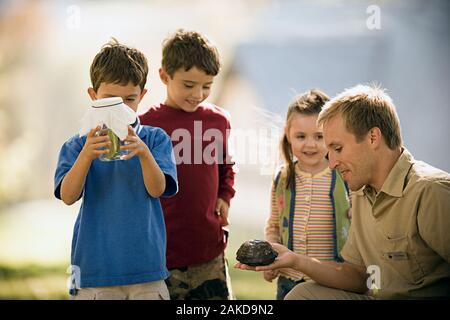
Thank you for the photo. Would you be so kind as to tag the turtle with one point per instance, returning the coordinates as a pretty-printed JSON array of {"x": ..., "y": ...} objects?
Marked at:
[{"x": 256, "y": 253}]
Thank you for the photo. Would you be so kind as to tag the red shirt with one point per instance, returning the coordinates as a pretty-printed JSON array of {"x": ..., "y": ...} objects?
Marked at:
[{"x": 205, "y": 172}]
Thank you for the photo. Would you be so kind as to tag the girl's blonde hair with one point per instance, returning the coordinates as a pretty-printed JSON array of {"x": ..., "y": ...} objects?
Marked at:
[{"x": 308, "y": 103}]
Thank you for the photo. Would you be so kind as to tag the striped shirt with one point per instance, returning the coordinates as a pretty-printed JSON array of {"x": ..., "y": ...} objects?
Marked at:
[{"x": 313, "y": 222}]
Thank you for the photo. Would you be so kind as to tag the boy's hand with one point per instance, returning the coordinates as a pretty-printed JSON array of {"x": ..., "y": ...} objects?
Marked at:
[
  {"x": 135, "y": 145},
  {"x": 222, "y": 210},
  {"x": 93, "y": 143}
]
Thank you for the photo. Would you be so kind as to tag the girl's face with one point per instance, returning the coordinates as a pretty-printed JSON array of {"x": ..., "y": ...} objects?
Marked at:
[{"x": 306, "y": 141}]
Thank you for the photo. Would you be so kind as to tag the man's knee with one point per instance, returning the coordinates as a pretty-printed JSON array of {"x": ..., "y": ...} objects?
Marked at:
[
  {"x": 304, "y": 291},
  {"x": 310, "y": 290}
]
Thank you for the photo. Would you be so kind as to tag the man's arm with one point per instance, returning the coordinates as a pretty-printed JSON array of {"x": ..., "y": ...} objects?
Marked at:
[
  {"x": 433, "y": 217},
  {"x": 332, "y": 274},
  {"x": 339, "y": 275}
]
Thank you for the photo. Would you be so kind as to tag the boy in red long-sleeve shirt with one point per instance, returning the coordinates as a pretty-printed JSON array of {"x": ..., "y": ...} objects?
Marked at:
[{"x": 199, "y": 132}]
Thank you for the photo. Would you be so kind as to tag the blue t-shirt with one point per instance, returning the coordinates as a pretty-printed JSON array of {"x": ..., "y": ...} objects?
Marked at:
[{"x": 119, "y": 236}]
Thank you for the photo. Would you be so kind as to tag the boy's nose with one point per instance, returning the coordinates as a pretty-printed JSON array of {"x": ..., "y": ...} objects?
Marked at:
[{"x": 198, "y": 94}]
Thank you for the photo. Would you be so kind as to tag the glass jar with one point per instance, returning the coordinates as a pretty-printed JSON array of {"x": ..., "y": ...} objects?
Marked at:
[
  {"x": 114, "y": 152},
  {"x": 114, "y": 116}
]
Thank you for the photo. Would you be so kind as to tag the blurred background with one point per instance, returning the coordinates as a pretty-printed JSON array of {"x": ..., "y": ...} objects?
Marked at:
[{"x": 271, "y": 51}]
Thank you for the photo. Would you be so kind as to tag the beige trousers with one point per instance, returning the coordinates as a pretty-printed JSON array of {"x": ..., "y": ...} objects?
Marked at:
[
  {"x": 310, "y": 290},
  {"x": 156, "y": 290}
]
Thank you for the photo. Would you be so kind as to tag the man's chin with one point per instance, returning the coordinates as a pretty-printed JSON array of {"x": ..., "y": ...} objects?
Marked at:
[{"x": 354, "y": 187}]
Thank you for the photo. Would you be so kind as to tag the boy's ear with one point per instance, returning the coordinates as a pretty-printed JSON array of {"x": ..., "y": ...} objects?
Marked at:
[
  {"x": 164, "y": 76},
  {"x": 92, "y": 93},
  {"x": 144, "y": 91}
]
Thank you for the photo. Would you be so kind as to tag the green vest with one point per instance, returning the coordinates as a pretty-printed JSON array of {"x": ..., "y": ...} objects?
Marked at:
[{"x": 286, "y": 204}]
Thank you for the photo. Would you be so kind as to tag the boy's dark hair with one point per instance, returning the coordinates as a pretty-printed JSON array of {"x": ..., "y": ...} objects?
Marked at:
[
  {"x": 308, "y": 103},
  {"x": 118, "y": 63},
  {"x": 187, "y": 49}
]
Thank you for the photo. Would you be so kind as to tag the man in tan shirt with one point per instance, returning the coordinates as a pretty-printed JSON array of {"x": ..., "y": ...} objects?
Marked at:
[{"x": 399, "y": 240}]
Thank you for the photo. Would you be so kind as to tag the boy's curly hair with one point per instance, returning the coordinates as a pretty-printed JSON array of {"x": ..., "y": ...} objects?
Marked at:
[
  {"x": 118, "y": 63},
  {"x": 186, "y": 49}
]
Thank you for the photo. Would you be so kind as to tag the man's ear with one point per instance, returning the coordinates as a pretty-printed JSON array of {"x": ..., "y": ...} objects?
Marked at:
[
  {"x": 92, "y": 93},
  {"x": 164, "y": 76},
  {"x": 375, "y": 136}
]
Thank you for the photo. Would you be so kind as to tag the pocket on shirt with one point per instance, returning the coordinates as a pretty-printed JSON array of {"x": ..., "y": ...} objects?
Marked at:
[{"x": 397, "y": 254}]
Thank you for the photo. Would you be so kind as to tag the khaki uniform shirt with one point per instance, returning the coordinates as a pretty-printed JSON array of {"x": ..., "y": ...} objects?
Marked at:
[{"x": 403, "y": 232}]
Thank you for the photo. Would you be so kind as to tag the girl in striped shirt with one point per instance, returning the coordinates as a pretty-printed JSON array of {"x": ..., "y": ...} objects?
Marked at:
[{"x": 310, "y": 205}]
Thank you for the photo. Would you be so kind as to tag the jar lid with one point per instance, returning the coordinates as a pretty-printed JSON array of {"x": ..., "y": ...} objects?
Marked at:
[{"x": 107, "y": 102}]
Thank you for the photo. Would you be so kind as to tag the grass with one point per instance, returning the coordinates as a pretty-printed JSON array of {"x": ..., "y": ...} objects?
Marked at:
[
  {"x": 248, "y": 285},
  {"x": 49, "y": 282},
  {"x": 33, "y": 282},
  {"x": 35, "y": 246}
]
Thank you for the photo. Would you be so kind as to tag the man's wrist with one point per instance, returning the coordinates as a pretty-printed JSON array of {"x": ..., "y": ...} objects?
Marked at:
[{"x": 299, "y": 262}]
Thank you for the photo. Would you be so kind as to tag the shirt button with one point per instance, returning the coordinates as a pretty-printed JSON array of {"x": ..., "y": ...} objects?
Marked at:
[{"x": 307, "y": 198}]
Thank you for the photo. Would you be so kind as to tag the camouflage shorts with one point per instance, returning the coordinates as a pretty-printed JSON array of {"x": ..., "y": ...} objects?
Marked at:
[{"x": 206, "y": 281}]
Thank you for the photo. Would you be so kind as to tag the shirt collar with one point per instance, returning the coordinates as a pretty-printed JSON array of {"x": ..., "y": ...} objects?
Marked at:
[
  {"x": 305, "y": 174},
  {"x": 138, "y": 128},
  {"x": 395, "y": 181}
]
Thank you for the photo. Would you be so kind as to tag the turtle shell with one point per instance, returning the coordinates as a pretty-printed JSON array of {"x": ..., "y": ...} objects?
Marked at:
[{"x": 256, "y": 253}]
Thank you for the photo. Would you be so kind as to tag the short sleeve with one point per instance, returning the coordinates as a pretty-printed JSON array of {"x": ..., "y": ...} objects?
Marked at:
[
  {"x": 434, "y": 217},
  {"x": 350, "y": 252},
  {"x": 67, "y": 157},
  {"x": 162, "y": 151},
  {"x": 226, "y": 170},
  {"x": 272, "y": 229}
]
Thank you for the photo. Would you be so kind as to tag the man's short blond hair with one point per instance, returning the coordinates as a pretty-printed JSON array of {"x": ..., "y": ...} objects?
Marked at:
[{"x": 362, "y": 108}]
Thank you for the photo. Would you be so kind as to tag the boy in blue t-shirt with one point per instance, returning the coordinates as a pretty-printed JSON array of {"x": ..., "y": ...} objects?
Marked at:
[{"x": 119, "y": 238}]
